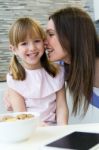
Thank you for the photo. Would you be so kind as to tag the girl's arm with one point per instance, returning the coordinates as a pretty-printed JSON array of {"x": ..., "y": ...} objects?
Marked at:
[
  {"x": 61, "y": 107},
  {"x": 6, "y": 101},
  {"x": 16, "y": 100}
]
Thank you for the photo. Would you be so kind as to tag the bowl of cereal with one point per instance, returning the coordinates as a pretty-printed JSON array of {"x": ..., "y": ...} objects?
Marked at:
[{"x": 17, "y": 126}]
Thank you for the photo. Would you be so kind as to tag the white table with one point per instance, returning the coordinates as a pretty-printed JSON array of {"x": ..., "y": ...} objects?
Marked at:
[{"x": 44, "y": 135}]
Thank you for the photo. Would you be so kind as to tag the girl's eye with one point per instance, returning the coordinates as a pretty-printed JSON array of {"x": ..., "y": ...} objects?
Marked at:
[
  {"x": 37, "y": 41},
  {"x": 24, "y": 43}
]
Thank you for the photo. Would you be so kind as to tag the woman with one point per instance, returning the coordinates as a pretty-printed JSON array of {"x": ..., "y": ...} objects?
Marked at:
[{"x": 72, "y": 38}]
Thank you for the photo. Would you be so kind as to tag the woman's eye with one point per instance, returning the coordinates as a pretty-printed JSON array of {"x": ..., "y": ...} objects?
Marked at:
[{"x": 50, "y": 34}]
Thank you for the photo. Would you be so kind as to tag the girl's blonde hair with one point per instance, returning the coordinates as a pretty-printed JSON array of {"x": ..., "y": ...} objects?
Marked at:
[{"x": 18, "y": 32}]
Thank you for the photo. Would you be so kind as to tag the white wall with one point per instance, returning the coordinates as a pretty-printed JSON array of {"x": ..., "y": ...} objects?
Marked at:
[
  {"x": 96, "y": 9},
  {"x": 38, "y": 9}
]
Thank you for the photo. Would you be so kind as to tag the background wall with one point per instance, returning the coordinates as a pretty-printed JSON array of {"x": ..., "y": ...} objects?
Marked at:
[
  {"x": 10, "y": 10},
  {"x": 96, "y": 9}
]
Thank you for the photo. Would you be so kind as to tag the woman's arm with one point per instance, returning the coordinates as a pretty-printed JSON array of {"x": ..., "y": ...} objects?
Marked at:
[
  {"x": 16, "y": 101},
  {"x": 61, "y": 107}
]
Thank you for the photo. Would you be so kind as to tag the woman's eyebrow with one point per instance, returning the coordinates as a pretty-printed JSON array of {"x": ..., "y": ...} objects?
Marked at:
[{"x": 49, "y": 30}]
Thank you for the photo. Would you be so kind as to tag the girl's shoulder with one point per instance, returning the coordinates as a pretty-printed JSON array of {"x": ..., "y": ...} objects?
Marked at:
[
  {"x": 9, "y": 76},
  {"x": 58, "y": 66},
  {"x": 60, "y": 72}
]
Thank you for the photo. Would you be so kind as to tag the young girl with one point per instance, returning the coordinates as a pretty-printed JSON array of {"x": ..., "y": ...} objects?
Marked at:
[{"x": 34, "y": 84}]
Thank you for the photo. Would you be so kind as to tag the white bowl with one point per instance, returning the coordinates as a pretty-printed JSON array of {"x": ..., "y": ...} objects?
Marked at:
[{"x": 18, "y": 130}]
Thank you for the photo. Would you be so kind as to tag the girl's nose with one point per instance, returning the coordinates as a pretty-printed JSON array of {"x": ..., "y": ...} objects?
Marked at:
[{"x": 31, "y": 46}]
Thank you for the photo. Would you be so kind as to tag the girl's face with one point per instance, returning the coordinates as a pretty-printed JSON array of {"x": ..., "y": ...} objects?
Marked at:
[
  {"x": 54, "y": 48},
  {"x": 30, "y": 51}
]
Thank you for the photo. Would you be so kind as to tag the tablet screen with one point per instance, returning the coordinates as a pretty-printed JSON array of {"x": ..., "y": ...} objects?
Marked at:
[{"x": 76, "y": 140}]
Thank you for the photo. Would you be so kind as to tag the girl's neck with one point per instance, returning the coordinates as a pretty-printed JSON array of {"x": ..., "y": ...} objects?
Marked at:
[
  {"x": 32, "y": 67},
  {"x": 96, "y": 81}
]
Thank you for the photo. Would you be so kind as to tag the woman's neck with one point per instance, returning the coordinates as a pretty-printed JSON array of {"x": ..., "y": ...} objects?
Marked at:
[{"x": 96, "y": 81}]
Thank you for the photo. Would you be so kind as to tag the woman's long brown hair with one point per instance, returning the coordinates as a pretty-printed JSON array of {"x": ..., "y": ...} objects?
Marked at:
[{"x": 77, "y": 35}]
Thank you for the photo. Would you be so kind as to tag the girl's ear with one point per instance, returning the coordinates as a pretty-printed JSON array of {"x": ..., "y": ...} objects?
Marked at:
[{"x": 12, "y": 48}]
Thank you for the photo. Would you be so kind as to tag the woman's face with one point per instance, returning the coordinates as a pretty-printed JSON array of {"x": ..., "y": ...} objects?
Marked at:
[{"x": 54, "y": 48}]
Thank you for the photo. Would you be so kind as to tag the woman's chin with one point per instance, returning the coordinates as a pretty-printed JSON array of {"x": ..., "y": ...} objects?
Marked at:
[{"x": 51, "y": 59}]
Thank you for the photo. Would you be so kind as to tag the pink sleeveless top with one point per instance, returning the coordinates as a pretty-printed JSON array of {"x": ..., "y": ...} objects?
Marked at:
[{"x": 39, "y": 91}]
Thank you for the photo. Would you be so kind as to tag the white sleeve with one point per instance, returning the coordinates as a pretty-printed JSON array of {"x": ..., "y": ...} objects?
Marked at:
[
  {"x": 13, "y": 84},
  {"x": 60, "y": 78}
]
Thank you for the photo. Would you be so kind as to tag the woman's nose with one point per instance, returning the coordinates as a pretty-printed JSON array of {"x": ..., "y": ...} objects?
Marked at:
[{"x": 45, "y": 44}]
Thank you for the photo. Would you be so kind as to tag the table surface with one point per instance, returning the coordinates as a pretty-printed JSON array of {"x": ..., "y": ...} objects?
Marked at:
[{"x": 44, "y": 135}]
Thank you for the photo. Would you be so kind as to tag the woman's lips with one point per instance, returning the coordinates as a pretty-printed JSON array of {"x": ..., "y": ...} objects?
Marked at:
[
  {"x": 49, "y": 53},
  {"x": 49, "y": 50}
]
